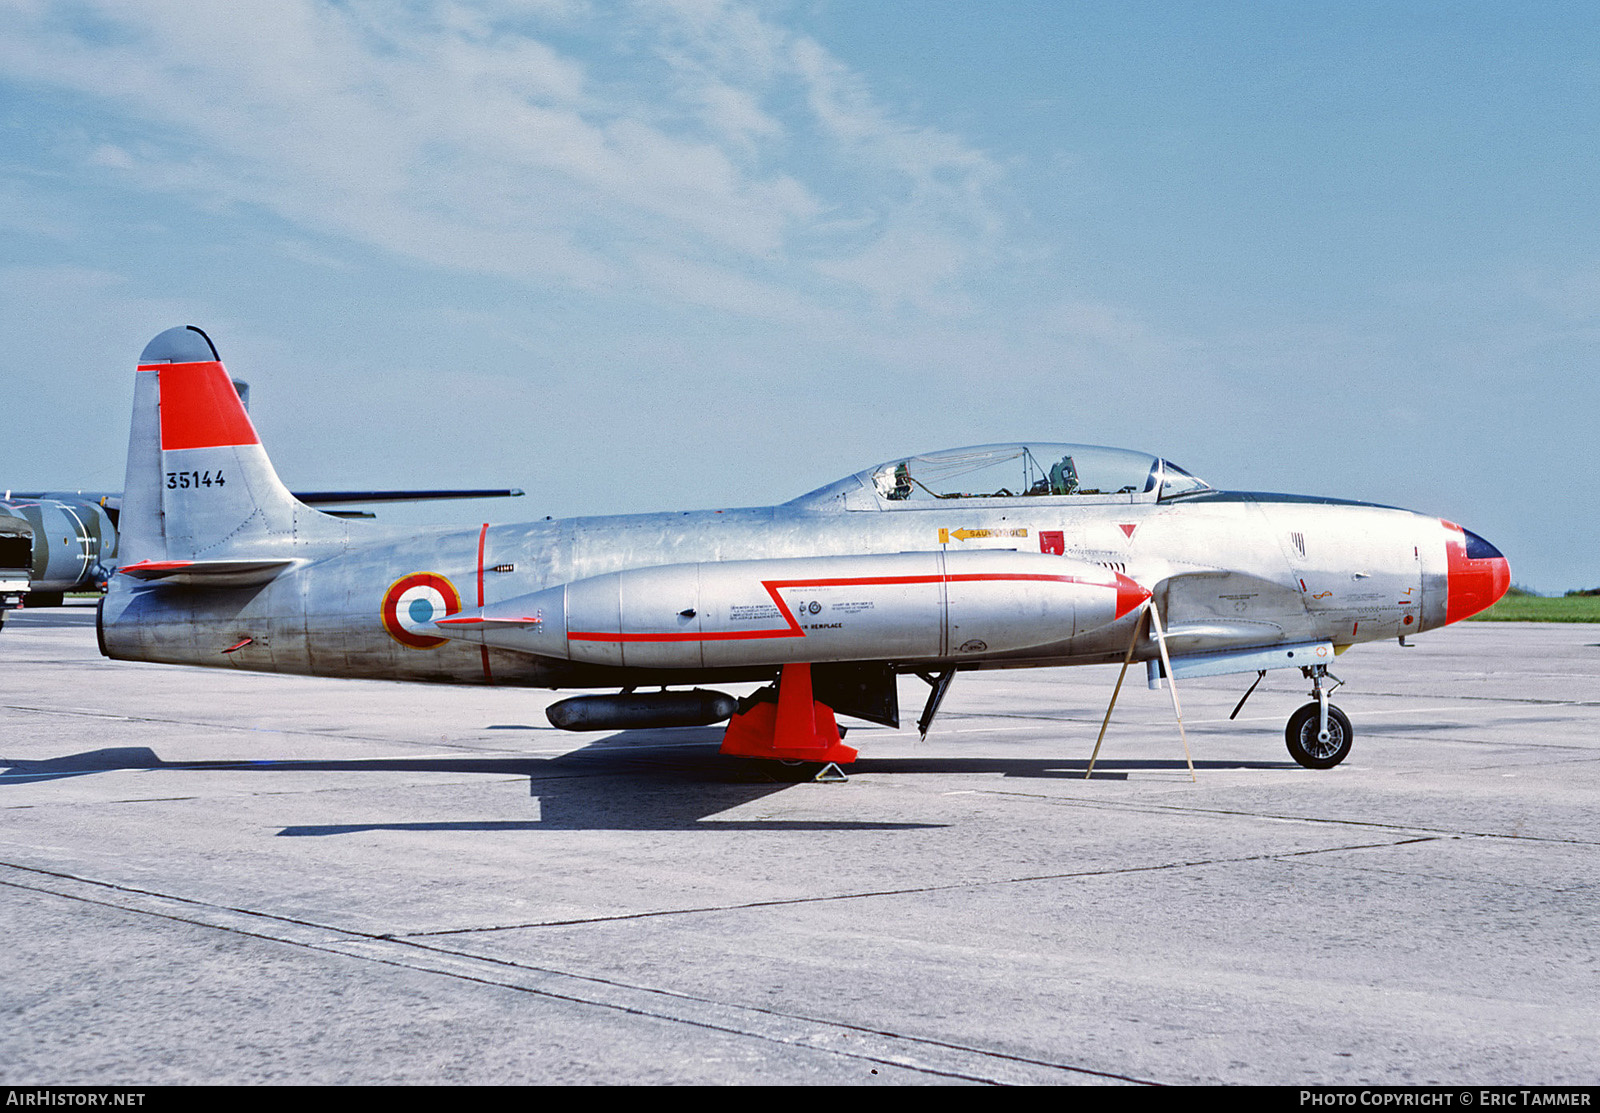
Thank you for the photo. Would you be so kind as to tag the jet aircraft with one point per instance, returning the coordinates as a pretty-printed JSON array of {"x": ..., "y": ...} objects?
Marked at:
[{"x": 991, "y": 557}]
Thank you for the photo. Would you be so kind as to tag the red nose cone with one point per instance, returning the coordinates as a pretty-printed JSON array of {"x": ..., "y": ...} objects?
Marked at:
[
  {"x": 1129, "y": 594},
  {"x": 1479, "y": 575}
]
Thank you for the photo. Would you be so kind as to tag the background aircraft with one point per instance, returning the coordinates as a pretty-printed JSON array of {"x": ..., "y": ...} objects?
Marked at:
[
  {"x": 54, "y": 543},
  {"x": 999, "y": 556}
]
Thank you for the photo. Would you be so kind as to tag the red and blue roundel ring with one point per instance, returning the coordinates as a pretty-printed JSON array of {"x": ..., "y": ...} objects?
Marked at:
[{"x": 414, "y": 601}]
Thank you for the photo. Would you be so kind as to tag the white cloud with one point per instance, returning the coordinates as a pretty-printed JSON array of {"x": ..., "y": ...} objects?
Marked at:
[
  {"x": 903, "y": 265},
  {"x": 459, "y": 134}
]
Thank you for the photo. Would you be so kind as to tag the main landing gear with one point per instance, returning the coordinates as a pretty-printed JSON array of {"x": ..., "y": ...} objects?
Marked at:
[{"x": 1319, "y": 734}]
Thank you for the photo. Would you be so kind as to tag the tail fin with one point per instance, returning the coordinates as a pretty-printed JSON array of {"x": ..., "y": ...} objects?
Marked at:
[{"x": 199, "y": 485}]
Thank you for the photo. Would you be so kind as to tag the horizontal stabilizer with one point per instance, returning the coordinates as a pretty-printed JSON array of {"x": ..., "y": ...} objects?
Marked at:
[
  {"x": 113, "y": 499},
  {"x": 325, "y": 498},
  {"x": 207, "y": 573}
]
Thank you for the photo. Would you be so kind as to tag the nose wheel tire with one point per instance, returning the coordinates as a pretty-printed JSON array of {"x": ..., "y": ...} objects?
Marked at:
[{"x": 1307, "y": 748}]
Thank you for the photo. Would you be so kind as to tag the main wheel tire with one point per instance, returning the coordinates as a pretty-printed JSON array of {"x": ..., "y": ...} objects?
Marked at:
[
  {"x": 797, "y": 772},
  {"x": 1306, "y": 748}
]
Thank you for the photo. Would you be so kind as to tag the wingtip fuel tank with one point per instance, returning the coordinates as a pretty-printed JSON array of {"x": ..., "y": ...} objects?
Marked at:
[{"x": 896, "y": 606}]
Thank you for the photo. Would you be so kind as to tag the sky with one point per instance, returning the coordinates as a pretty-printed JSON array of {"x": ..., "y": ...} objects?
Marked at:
[{"x": 672, "y": 254}]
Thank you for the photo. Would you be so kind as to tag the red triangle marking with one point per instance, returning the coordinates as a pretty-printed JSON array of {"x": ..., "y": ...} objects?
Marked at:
[{"x": 1128, "y": 528}]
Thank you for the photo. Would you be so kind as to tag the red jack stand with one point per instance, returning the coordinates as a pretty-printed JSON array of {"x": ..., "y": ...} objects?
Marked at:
[{"x": 796, "y": 728}]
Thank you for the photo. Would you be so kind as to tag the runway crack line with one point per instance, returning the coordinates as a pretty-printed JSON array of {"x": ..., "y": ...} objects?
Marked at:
[
  {"x": 831, "y": 1024},
  {"x": 790, "y": 1030},
  {"x": 1436, "y": 832},
  {"x": 873, "y": 894}
]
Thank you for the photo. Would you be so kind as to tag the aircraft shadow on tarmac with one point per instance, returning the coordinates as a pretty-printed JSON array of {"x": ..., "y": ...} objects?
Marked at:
[
  {"x": 1459, "y": 724},
  {"x": 650, "y": 780}
]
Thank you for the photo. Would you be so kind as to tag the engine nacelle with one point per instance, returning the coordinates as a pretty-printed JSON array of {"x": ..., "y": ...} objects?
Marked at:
[
  {"x": 902, "y": 606},
  {"x": 71, "y": 538}
]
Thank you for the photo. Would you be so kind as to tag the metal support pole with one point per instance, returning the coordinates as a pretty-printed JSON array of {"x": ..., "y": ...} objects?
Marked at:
[
  {"x": 1172, "y": 684},
  {"x": 1138, "y": 631}
]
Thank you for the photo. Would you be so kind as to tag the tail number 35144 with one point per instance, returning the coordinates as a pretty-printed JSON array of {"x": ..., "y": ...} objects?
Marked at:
[{"x": 178, "y": 479}]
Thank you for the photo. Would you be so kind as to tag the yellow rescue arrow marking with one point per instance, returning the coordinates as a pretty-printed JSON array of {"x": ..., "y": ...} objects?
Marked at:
[{"x": 963, "y": 534}]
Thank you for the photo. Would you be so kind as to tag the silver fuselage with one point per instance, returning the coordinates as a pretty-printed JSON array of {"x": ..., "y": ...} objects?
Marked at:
[{"x": 1225, "y": 569}]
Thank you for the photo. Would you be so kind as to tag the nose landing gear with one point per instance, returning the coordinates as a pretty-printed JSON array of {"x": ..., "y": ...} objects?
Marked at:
[{"x": 1319, "y": 734}]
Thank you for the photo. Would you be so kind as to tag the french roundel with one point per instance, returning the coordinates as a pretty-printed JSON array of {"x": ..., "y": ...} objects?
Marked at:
[{"x": 414, "y": 601}]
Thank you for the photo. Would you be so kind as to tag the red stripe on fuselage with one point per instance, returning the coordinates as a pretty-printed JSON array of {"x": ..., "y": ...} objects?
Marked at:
[
  {"x": 793, "y": 629},
  {"x": 200, "y": 408},
  {"x": 483, "y": 536}
]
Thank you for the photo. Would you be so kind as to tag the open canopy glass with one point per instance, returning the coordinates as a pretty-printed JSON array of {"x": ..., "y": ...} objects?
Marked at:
[{"x": 1014, "y": 471}]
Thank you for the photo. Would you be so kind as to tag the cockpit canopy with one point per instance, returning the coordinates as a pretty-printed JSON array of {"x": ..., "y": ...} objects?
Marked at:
[{"x": 1011, "y": 471}]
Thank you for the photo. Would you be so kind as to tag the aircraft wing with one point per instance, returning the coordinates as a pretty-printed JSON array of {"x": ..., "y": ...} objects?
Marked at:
[
  {"x": 1225, "y": 621},
  {"x": 1211, "y": 610}
]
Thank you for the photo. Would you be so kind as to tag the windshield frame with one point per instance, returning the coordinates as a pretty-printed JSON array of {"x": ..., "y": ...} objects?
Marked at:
[{"x": 1177, "y": 488}]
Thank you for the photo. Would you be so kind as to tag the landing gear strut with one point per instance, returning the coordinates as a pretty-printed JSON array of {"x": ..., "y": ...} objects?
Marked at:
[{"x": 1319, "y": 734}]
